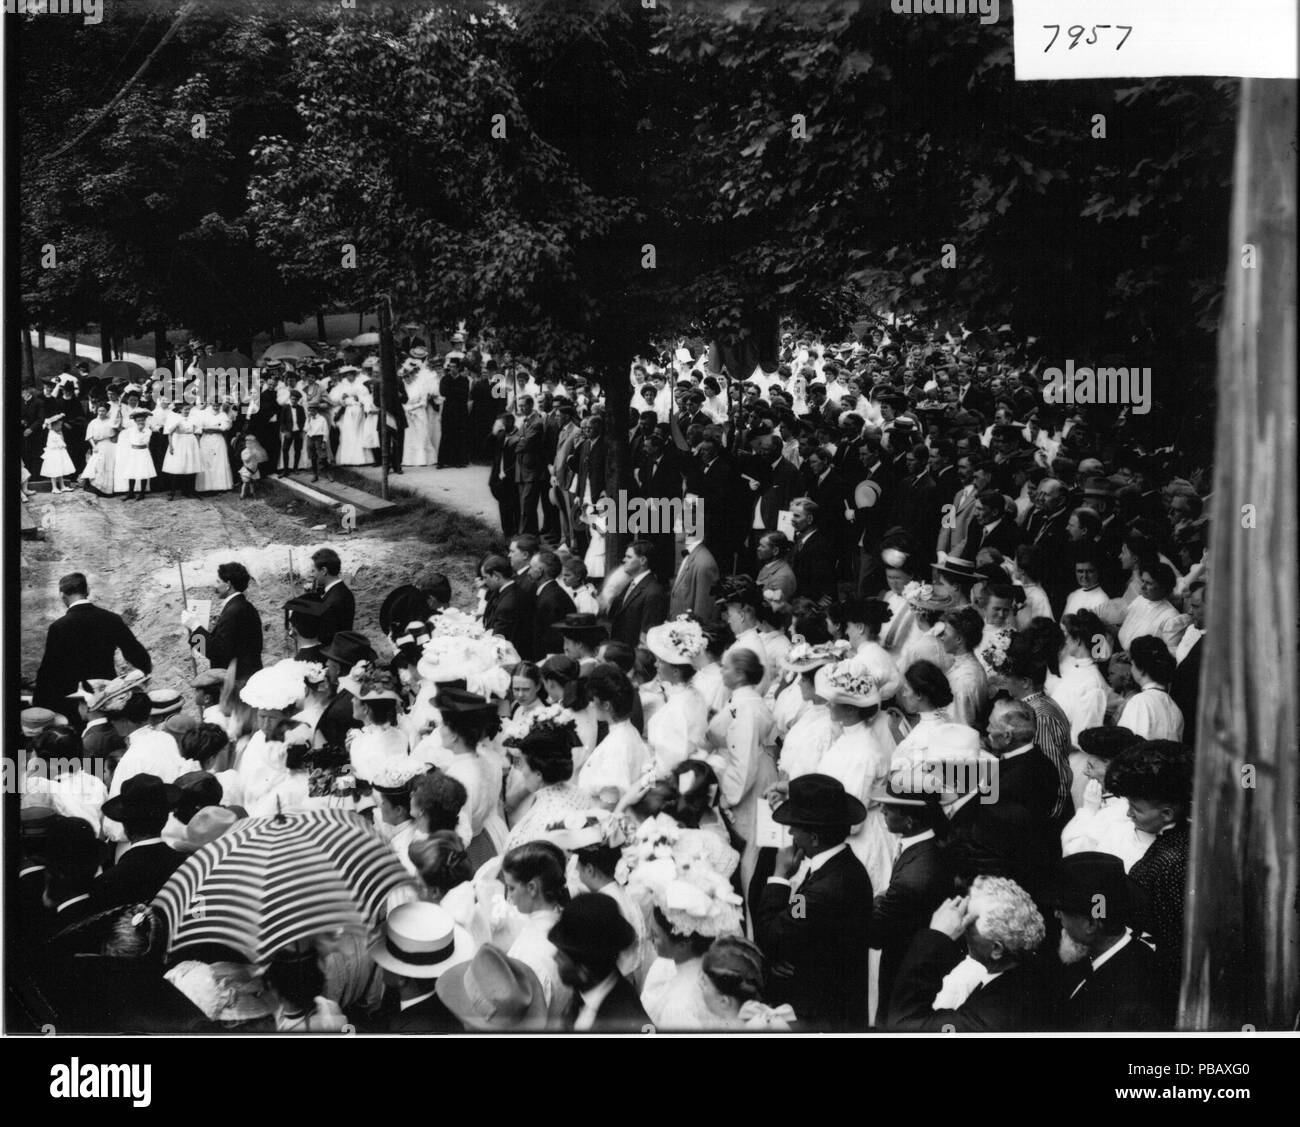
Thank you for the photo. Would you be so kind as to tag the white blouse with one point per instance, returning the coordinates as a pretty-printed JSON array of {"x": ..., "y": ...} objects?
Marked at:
[
  {"x": 1153, "y": 715},
  {"x": 678, "y": 728},
  {"x": 617, "y": 762}
]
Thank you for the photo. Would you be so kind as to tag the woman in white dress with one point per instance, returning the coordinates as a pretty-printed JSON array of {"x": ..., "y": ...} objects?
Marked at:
[
  {"x": 214, "y": 452},
  {"x": 618, "y": 761},
  {"x": 183, "y": 462},
  {"x": 899, "y": 572},
  {"x": 963, "y": 629},
  {"x": 533, "y": 875},
  {"x": 924, "y": 694},
  {"x": 741, "y": 738},
  {"x": 863, "y": 622},
  {"x": 352, "y": 398},
  {"x": 134, "y": 468},
  {"x": 542, "y": 766},
  {"x": 1080, "y": 689},
  {"x": 564, "y": 686},
  {"x": 815, "y": 730},
  {"x": 56, "y": 463},
  {"x": 1101, "y": 823},
  {"x": 929, "y": 606},
  {"x": 678, "y": 729},
  {"x": 468, "y": 722},
  {"x": 101, "y": 436},
  {"x": 416, "y": 448},
  {"x": 859, "y": 761}
]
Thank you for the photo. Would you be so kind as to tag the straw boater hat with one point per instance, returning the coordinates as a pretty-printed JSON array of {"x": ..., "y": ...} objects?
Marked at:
[
  {"x": 90, "y": 690},
  {"x": 923, "y": 597},
  {"x": 116, "y": 693},
  {"x": 421, "y": 940},
  {"x": 36, "y": 720},
  {"x": 583, "y": 627},
  {"x": 677, "y": 642},
  {"x": 164, "y": 702},
  {"x": 957, "y": 568}
]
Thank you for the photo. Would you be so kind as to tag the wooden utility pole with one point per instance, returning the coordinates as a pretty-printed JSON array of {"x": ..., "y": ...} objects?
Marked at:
[
  {"x": 1241, "y": 956},
  {"x": 105, "y": 343}
]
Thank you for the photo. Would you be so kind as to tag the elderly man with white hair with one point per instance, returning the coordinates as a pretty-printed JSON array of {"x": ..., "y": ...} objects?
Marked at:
[{"x": 995, "y": 988}]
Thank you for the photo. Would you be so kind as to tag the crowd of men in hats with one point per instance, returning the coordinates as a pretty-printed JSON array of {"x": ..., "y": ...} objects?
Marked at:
[{"x": 900, "y": 741}]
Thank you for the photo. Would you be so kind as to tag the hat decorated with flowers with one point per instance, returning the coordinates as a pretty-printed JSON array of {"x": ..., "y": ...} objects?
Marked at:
[
  {"x": 587, "y": 828},
  {"x": 677, "y": 642},
  {"x": 693, "y": 896},
  {"x": 396, "y": 774},
  {"x": 368, "y": 681},
  {"x": 804, "y": 657},
  {"x": 848, "y": 682},
  {"x": 993, "y": 653},
  {"x": 277, "y": 688},
  {"x": 923, "y": 597}
]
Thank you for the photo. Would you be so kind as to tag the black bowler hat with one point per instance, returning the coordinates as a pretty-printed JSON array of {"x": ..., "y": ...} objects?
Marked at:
[
  {"x": 142, "y": 796},
  {"x": 580, "y": 626},
  {"x": 347, "y": 648},
  {"x": 819, "y": 800},
  {"x": 592, "y": 929},
  {"x": 1092, "y": 884},
  {"x": 402, "y": 605}
]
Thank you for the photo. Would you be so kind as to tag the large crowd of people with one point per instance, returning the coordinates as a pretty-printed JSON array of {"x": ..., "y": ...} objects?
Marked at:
[{"x": 888, "y": 724}]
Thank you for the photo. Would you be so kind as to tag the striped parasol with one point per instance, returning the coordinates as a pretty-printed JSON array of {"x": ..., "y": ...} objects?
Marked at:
[{"x": 270, "y": 882}]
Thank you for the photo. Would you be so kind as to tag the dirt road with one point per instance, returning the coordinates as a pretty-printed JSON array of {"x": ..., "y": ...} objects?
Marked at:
[{"x": 129, "y": 552}]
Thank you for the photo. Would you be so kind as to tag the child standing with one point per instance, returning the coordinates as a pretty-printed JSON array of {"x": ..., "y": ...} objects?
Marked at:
[
  {"x": 55, "y": 464},
  {"x": 318, "y": 437},
  {"x": 252, "y": 457},
  {"x": 183, "y": 462},
  {"x": 135, "y": 460}
]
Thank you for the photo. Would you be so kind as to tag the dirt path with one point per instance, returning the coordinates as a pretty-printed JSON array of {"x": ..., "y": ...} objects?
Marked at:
[{"x": 129, "y": 552}]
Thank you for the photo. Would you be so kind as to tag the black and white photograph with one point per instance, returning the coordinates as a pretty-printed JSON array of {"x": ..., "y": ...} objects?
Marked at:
[{"x": 651, "y": 517}]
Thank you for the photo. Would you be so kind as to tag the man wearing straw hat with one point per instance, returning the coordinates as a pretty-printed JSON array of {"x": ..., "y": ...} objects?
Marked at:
[{"x": 420, "y": 943}]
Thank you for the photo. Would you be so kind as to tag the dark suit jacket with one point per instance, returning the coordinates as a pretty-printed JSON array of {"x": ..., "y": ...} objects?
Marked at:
[
  {"x": 919, "y": 509},
  {"x": 428, "y": 1016},
  {"x": 693, "y": 587},
  {"x": 288, "y": 415},
  {"x": 920, "y": 882},
  {"x": 530, "y": 451},
  {"x": 1012, "y": 1002},
  {"x": 822, "y": 934},
  {"x": 1119, "y": 997},
  {"x": 1001, "y": 839},
  {"x": 780, "y": 487},
  {"x": 637, "y": 609},
  {"x": 340, "y": 610},
  {"x": 136, "y": 878},
  {"x": 620, "y": 1012},
  {"x": 813, "y": 563},
  {"x": 1186, "y": 689},
  {"x": 588, "y": 464},
  {"x": 553, "y": 603},
  {"x": 337, "y": 719},
  {"x": 503, "y": 458},
  {"x": 1005, "y": 537},
  {"x": 237, "y": 636},
  {"x": 510, "y": 613},
  {"x": 1030, "y": 780},
  {"x": 81, "y": 645}
]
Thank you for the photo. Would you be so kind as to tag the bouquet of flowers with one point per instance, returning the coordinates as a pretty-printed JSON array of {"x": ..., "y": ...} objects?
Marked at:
[
  {"x": 516, "y": 728},
  {"x": 916, "y": 594},
  {"x": 687, "y": 635},
  {"x": 852, "y": 677},
  {"x": 993, "y": 654},
  {"x": 803, "y": 651}
]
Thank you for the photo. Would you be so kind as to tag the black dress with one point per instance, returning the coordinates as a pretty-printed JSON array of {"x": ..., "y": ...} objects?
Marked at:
[{"x": 454, "y": 448}]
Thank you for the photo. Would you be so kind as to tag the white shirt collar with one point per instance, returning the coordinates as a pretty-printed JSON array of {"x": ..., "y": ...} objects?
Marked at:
[
  {"x": 817, "y": 861},
  {"x": 1118, "y": 947},
  {"x": 336, "y": 580},
  {"x": 640, "y": 575},
  {"x": 592, "y": 1000},
  {"x": 78, "y": 602},
  {"x": 407, "y": 1003},
  {"x": 1018, "y": 751},
  {"x": 142, "y": 841},
  {"x": 93, "y": 722},
  {"x": 86, "y": 896}
]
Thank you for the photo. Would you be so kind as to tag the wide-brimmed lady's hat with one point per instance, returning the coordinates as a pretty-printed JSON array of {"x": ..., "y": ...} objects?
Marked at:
[
  {"x": 462, "y": 701},
  {"x": 493, "y": 992},
  {"x": 847, "y": 682},
  {"x": 816, "y": 801},
  {"x": 804, "y": 658},
  {"x": 368, "y": 682},
  {"x": 923, "y": 597},
  {"x": 205, "y": 827},
  {"x": 678, "y": 642},
  {"x": 421, "y": 940},
  {"x": 402, "y": 605}
]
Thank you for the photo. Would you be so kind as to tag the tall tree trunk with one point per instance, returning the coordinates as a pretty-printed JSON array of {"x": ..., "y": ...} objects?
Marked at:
[
  {"x": 40, "y": 338},
  {"x": 29, "y": 358},
  {"x": 161, "y": 350},
  {"x": 320, "y": 325},
  {"x": 105, "y": 343},
  {"x": 72, "y": 348},
  {"x": 1241, "y": 956},
  {"x": 611, "y": 356}
]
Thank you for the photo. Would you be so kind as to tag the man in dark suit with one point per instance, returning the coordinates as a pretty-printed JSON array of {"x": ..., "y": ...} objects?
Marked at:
[
  {"x": 292, "y": 421},
  {"x": 553, "y": 424},
  {"x": 72, "y": 856},
  {"x": 520, "y": 553},
  {"x": 813, "y": 918},
  {"x": 553, "y": 604},
  {"x": 1002, "y": 929},
  {"x": 236, "y": 636},
  {"x": 142, "y": 808},
  {"x": 643, "y": 603},
  {"x": 919, "y": 508},
  {"x": 345, "y": 649},
  {"x": 812, "y": 559},
  {"x": 991, "y": 527},
  {"x": 340, "y": 605},
  {"x": 501, "y": 475},
  {"x": 1111, "y": 979},
  {"x": 1046, "y": 529},
  {"x": 659, "y": 483},
  {"x": 590, "y": 936},
  {"x": 82, "y": 645},
  {"x": 1025, "y": 775},
  {"x": 920, "y": 881},
  {"x": 32, "y": 418},
  {"x": 588, "y": 462},
  {"x": 531, "y": 474},
  {"x": 509, "y": 610},
  {"x": 1186, "y": 685}
]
